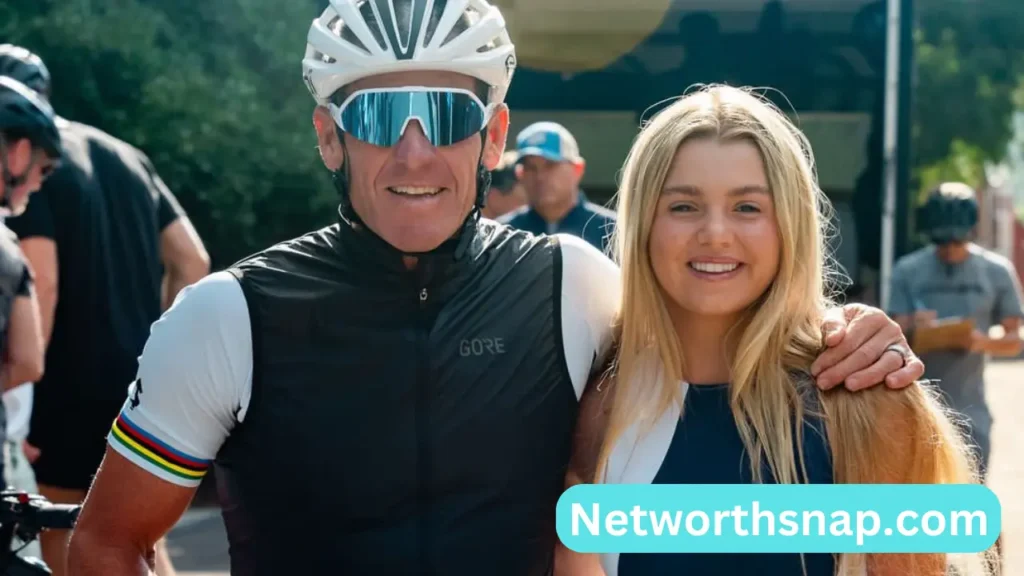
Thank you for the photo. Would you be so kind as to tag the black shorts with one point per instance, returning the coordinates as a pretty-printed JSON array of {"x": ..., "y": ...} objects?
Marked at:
[
  {"x": 70, "y": 460},
  {"x": 71, "y": 433}
]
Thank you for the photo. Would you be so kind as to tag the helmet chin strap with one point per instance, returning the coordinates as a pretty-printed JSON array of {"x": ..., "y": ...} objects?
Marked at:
[{"x": 342, "y": 183}]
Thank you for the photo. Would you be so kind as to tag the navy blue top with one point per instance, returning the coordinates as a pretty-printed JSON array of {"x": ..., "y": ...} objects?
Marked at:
[
  {"x": 586, "y": 220},
  {"x": 706, "y": 449}
]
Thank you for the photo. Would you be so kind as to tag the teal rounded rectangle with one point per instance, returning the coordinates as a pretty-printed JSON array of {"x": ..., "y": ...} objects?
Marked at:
[{"x": 759, "y": 518}]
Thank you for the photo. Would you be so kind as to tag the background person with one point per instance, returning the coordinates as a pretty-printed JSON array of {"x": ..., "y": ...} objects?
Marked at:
[
  {"x": 550, "y": 168},
  {"x": 29, "y": 150},
  {"x": 506, "y": 192},
  {"x": 956, "y": 278},
  {"x": 109, "y": 244}
]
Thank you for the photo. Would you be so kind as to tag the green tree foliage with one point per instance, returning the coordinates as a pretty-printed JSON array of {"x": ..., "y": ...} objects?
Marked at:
[
  {"x": 212, "y": 91},
  {"x": 969, "y": 64}
]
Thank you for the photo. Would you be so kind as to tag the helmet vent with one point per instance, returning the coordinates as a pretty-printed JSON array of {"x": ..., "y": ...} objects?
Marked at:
[
  {"x": 493, "y": 44},
  {"x": 338, "y": 27},
  {"x": 366, "y": 10},
  {"x": 436, "y": 11},
  {"x": 470, "y": 17}
]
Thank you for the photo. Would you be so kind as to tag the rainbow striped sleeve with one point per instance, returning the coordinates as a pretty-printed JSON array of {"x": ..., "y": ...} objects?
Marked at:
[{"x": 154, "y": 455}]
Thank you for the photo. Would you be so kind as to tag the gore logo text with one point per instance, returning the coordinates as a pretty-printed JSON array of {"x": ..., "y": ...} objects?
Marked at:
[{"x": 481, "y": 346}]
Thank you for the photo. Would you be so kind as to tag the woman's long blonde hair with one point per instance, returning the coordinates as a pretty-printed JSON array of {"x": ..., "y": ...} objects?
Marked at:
[{"x": 877, "y": 435}]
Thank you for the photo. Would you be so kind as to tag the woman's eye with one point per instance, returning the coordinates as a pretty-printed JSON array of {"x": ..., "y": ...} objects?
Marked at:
[
  {"x": 752, "y": 208},
  {"x": 682, "y": 208}
]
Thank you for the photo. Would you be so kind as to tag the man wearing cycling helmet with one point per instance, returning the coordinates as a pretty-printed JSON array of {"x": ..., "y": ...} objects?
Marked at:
[
  {"x": 955, "y": 278},
  {"x": 394, "y": 393},
  {"x": 29, "y": 150}
]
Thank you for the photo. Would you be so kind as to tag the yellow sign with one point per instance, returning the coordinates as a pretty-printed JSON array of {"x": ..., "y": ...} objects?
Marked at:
[{"x": 578, "y": 35}]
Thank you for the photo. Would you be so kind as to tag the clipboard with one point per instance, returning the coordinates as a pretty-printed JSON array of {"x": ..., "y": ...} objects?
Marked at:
[{"x": 946, "y": 334}]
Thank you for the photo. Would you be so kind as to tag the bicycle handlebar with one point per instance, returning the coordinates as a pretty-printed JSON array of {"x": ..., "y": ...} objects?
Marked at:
[
  {"x": 57, "y": 516},
  {"x": 26, "y": 515},
  {"x": 32, "y": 513}
]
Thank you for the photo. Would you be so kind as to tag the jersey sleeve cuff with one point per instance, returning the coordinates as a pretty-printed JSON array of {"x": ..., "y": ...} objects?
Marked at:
[{"x": 156, "y": 457}]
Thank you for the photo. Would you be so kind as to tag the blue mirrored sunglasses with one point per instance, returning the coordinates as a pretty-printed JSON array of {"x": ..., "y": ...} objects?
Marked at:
[{"x": 380, "y": 116}]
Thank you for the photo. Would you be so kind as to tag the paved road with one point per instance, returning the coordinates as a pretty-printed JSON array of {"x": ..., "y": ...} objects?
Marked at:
[
  {"x": 198, "y": 545},
  {"x": 1006, "y": 401},
  {"x": 199, "y": 548}
]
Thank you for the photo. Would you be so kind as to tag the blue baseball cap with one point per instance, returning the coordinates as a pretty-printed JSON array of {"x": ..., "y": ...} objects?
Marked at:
[{"x": 548, "y": 140}]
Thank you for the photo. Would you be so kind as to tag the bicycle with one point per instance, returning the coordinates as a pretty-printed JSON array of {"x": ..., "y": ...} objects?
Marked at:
[{"x": 26, "y": 515}]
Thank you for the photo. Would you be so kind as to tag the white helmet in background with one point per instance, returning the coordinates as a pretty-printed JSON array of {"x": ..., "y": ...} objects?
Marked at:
[{"x": 354, "y": 39}]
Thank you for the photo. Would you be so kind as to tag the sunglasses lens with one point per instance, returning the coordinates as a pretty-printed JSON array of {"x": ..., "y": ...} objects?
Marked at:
[{"x": 380, "y": 118}]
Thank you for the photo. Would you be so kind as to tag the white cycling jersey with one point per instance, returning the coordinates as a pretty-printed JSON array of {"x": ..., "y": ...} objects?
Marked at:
[{"x": 196, "y": 368}]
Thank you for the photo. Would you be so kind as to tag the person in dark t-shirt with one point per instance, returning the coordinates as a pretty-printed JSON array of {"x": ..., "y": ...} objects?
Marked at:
[{"x": 110, "y": 247}]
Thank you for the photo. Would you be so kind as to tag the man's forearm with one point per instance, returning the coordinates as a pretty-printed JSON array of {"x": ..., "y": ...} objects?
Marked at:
[
  {"x": 47, "y": 297},
  {"x": 16, "y": 374},
  {"x": 177, "y": 279},
  {"x": 173, "y": 284},
  {"x": 89, "y": 556}
]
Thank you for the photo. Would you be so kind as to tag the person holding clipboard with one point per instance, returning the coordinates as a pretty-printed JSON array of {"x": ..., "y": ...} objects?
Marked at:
[{"x": 947, "y": 295}]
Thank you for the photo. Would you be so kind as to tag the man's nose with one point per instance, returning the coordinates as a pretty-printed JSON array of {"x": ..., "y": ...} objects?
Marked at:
[{"x": 413, "y": 148}]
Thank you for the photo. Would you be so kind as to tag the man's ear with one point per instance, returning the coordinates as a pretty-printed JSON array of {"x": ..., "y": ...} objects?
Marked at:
[
  {"x": 580, "y": 167},
  {"x": 497, "y": 132},
  {"x": 19, "y": 155},
  {"x": 331, "y": 151}
]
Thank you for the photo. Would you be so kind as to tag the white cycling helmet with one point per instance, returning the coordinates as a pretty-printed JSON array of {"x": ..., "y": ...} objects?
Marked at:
[{"x": 354, "y": 39}]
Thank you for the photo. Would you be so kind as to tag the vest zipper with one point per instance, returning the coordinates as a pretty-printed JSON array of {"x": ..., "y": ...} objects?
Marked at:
[{"x": 422, "y": 426}]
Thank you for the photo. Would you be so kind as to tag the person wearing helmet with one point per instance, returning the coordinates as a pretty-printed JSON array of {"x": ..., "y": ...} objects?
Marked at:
[
  {"x": 29, "y": 150},
  {"x": 954, "y": 278},
  {"x": 31, "y": 144},
  {"x": 104, "y": 237},
  {"x": 394, "y": 393},
  {"x": 19, "y": 63},
  {"x": 507, "y": 192}
]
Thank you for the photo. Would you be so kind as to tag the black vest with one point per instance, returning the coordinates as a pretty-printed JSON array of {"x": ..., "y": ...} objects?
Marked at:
[{"x": 401, "y": 422}]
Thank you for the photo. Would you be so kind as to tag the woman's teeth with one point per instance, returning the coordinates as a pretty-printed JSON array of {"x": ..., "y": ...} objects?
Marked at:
[{"x": 714, "y": 268}]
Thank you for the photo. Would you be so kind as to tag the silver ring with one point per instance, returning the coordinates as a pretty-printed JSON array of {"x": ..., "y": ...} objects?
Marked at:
[{"x": 903, "y": 352}]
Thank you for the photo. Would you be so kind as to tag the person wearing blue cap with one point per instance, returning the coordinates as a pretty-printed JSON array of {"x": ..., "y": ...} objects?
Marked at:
[
  {"x": 955, "y": 278},
  {"x": 550, "y": 168}
]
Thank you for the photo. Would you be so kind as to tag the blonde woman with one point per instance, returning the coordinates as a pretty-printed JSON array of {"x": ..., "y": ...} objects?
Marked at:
[{"x": 720, "y": 239}]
